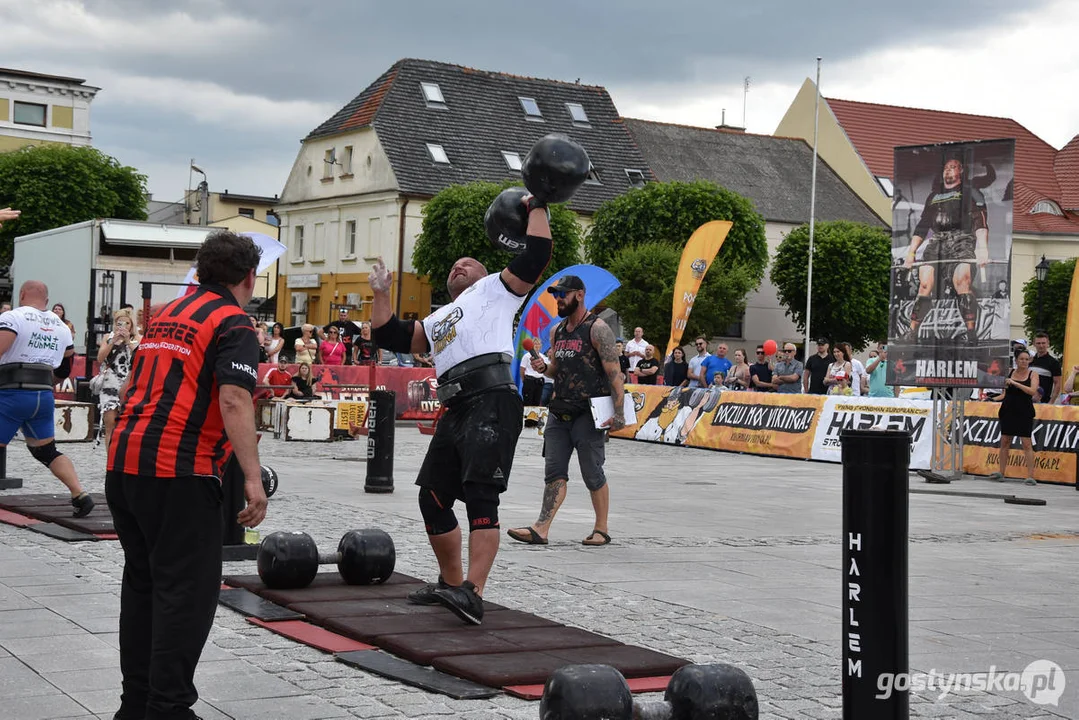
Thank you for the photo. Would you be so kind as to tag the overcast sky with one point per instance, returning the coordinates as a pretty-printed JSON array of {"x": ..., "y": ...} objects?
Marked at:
[{"x": 235, "y": 84}]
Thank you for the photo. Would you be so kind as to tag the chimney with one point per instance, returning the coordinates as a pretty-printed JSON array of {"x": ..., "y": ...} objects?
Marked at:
[{"x": 725, "y": 127}]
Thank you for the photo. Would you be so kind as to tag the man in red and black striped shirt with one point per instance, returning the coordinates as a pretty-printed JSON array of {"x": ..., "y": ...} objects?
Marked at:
[{"x": 185, "y": 410}]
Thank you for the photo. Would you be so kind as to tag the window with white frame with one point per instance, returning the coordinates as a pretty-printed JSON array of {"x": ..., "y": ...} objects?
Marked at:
[
  {"x": 350, "y": 238},
  {"x": 328, "y": 160},
  {"x": 577, "y": 113},
  {"x": 1046, "y": 207},
  {"x": 513, "y": 160},
  {"x": 593, "y": 176},
  {"x": 531, "y": 108},
  {"x": 636, "y": 177},
  {"x": 29, "y": 114},
  {"x": 438, "y": 154},
  {"x": 297, "y": 243},
  {"x": 346, "y": 163},
  {"x": 432, "y": 94},
  {"x": 886, "y": 185}
]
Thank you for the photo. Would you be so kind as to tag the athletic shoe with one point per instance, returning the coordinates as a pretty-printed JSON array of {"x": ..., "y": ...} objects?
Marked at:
[
  {"x": 463, "y": 602},
  {"x": 83, "y": 505},
  {"x": 426, "y": 594}
]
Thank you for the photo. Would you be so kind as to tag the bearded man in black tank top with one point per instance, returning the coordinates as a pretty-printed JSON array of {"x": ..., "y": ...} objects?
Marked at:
[{"x": 584, "y": 365}]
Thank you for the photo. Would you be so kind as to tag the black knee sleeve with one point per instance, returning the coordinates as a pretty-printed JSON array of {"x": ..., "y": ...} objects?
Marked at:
[
  {"x": 922, "y": 305},
  {"x": 437, "y": 512},
  {"x": 481, "y": 501},
  {"x": 968, "y": 307},
  {"x": 46, "y": 453}
]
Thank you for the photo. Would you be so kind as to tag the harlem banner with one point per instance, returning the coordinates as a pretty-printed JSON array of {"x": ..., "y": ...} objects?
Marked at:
[
  {"x": 950, "y": 303},
  {"x": 697, "y": 257},
  {"x": 866, "y": 413}
]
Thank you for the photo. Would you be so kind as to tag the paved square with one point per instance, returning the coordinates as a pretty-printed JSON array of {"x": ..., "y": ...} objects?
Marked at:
[{"x": 716, "y": 557}]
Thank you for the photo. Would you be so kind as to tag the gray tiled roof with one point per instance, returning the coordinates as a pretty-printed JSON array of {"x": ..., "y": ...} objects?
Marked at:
[
  {"x": 481, "y": 118},
  {"x": 773, "y": 172}
]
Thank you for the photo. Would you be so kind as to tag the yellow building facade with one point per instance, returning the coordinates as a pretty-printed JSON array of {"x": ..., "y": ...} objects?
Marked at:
[{"x": 37, "y": 109}]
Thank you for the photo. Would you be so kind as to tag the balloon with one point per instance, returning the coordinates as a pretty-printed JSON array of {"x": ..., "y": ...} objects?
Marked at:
[{"x": 769, "y": 347}]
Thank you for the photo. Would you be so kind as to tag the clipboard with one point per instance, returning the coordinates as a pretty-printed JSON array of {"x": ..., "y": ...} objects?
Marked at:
[{"x": 603, "y": 410}]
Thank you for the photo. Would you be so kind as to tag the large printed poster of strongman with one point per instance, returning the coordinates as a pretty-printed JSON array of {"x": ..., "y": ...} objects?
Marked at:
[{"x": 951, "y": 264}]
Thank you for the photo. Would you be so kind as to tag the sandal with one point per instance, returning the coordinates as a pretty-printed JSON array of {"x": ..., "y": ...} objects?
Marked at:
[
  {"x": 605, "y": 541},
  {"x": 532, "y": 538}
]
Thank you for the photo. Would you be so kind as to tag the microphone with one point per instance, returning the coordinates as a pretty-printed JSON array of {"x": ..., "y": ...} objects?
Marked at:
[{"x": 530, "y": 346}]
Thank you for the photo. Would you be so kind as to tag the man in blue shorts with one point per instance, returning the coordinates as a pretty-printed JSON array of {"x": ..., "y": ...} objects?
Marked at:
[{"x": 35, "y": 345}]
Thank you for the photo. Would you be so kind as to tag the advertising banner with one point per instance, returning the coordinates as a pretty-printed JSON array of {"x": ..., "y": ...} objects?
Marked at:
[
  {"x": 697, "y": 257},
  {"x": 761, "y": 423},
  {"x": 1055, "y": 440},
  {"x": 666, "y": 414},
  {"x": 350, "y": 414},
  {"x": 950, "y": 302},
  {"x": 414, "y": 388},
  {"x": 839, "y": 413}
]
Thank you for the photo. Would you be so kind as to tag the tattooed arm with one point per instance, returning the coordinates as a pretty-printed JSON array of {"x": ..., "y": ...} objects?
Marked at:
[{"x": 603, "y": 341}]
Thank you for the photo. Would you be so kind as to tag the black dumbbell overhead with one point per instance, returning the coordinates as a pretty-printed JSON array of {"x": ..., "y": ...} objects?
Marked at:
[
  {"x": 553, "y": 171},
  {"x": 695, "y": 692},
  {"x": 290, "y": 560}
]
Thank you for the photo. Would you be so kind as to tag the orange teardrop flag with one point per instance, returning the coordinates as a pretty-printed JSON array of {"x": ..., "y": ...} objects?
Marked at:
[{"x": 697, "y": 257}]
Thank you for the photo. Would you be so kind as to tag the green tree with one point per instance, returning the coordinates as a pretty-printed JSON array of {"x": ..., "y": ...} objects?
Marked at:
[
  {"x": 669, "y": 213},
  {"x": 453, "y": 229},
  {"x": 851, "y": 282},
  {"x": 1055, "y": 294},
  {"x": 57, "y": 185},
  {"x": 647, "y": 273}
]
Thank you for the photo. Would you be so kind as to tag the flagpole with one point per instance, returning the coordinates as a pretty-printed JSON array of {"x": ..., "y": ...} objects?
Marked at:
[{"x": 812, "y": 214}]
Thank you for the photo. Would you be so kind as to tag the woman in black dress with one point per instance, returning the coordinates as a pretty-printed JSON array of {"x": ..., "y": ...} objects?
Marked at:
[
  {"x": 1016, "y": 414},
  {"x": 676, "y": 372}
]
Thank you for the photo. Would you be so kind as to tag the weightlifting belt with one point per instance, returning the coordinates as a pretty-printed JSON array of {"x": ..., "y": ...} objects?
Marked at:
[
  {"x": 26, "y": 376},
  {"x": 473, "y": 376}
]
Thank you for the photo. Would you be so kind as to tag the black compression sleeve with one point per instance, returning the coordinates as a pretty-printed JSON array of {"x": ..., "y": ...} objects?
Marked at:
[
  {"x": 530, "y": 264},
  {"x": 395, "y": 335}
]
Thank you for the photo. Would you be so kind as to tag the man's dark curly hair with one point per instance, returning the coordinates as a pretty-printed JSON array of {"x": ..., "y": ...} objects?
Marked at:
[{"x": 225, "y": 258}]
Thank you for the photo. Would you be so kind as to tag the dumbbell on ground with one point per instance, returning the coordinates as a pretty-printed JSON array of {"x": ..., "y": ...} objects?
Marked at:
[
  {"x": 290, "y": 560},
  {"x": 695, "y": 692}
]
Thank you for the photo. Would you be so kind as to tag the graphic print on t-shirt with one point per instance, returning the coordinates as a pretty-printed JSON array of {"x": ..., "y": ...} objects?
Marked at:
[{"x": 445, "y": 330}]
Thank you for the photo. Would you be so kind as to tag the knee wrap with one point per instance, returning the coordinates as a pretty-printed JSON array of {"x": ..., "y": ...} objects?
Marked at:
[
  {"x": 437, "y": 512},
  {"x": 481, "y": 501},
  {"x": 968, "y": 307},
  {"x": 922, "y": 305},
  {"x": 46, "y": 453}
]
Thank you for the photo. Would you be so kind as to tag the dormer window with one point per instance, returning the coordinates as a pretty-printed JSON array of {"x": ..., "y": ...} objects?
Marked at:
[
  {"x": 438, "y": 154},
  {"x": 593, "y": 176},
  {"x": 432, "y": 94},
  {"x": 636, "y": 177},
  {"x": 1046, "y": 207},
  {"x": 532, "y": 111},
  {"x": 513, "y": 160},
  {"x": 577, "y": 113},
  {"x": 886, "y": 185}
]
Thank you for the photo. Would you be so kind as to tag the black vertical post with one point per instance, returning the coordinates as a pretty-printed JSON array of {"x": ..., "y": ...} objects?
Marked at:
[
  {"x": 875, "y": 656},
  {"x": 381, "y": 412},
  {"x": 232, "y": 502},
  {"x": 7, "y": 483}
]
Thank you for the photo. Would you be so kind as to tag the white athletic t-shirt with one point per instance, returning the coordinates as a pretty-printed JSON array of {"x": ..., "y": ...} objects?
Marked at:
[
  {"x": 478, "y": 322},
  {"x": 40, "y": 336}
]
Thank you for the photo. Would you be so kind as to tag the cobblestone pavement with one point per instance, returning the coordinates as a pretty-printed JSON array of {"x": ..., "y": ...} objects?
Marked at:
[{"x": 716, "y": 557}]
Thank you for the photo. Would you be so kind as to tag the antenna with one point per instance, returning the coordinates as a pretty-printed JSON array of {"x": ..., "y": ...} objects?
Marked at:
[{"x": 745, "y": 94}]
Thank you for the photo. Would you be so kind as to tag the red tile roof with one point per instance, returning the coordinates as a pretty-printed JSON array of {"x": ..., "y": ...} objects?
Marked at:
[{"x": 1041, "y": 172}]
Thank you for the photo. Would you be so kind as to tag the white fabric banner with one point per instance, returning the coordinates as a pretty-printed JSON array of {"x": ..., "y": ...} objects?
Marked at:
[{"x": 866, "y": 413}]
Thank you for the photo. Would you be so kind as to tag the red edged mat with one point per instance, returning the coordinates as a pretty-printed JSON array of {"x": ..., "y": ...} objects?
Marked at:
[
  {"x": 312, "y": 635},
  {"x": 533, "y": 668},
  {"x": 56, "y": 508},
  {"x": 423, "y": 648},
  {"x": 369, "y": 628},
  {"x": 16, "y": 519},
  {"x": 636, "y": 685}
]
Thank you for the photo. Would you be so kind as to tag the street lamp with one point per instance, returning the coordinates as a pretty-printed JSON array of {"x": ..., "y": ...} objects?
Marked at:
[{"x": 1041, "y": 271}]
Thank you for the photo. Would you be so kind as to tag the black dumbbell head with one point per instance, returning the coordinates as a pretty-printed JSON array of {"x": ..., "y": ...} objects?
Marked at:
[
  {"x": 367, "y": 557},
  {"x": 554, "y": 169},
  {"x": 586, "y": 692},
  {"x": 287, "y": 560},
  {"x": 269, "y": 480},
  {"x": 719, "y": 691},
  {"x": 506, "y": 221}
]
